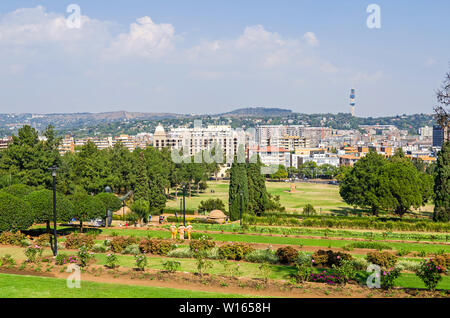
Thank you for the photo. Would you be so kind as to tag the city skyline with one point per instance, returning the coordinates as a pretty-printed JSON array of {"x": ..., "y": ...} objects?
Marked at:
[{"x": 205, "y": 58}]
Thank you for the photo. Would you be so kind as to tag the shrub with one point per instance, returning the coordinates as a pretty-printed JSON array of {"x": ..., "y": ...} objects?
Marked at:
[
  {"x": 197, "y": 236},
  {"x": 388, "y": 277},
  {"x": 62, "y": 259},
  {"x": 383, "y": 259},
  {"x": 304, "y": 259},
  {"x": 78, "y": 240},
  {"x": 132, "y": 249},
  {"x": 360, "y": 264},
  {"x": 345, "y": 271},
  {"x": 15, "y": 213},
  {"x": 304, "y": 272},
  {"x": 402, "y": 252},
  {"x": 404, "y": 265},
  {"x": 325, "y": 277},
  {"x": 171, "y": 266},
  {"x": 203, "y": 243},
  {"x": 202, "y": 262},
  {"x": 7, "y": 260},
  {"x": 141, "y": 261},
  {"x": 8, "y": 238},
  {"x": 309, "y": 210},
  {"x": 155, "y": 246},
  {"x": 181, "y": 252},
  {"x": 119, "y": 243},
  {"x": 84, "y": 256},
  {"x": 287, "y": 255},
  {"x": 429, "y": 273},
  {"x": 262, "y": 256},
  {"x": 112, "y": 261},
  {"x": 371, "y": 245},
  {"x": 234, "y": 250},
  {"x": 441, "y": 261},
  {"x": 211, "y": 204},
  {"x": 329, "y": 258},
  {"x": 43, "y": 240},
  {"x": 99, "y": 248},
  {"x": 33, "y": 253}
]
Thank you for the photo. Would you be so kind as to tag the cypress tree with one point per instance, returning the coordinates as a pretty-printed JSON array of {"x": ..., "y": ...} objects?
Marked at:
[
  {"x": 238, "y": 183},
  {"x": 141, "y": 190},
  {"x": 442, "y": 185},
  {"x": 257, "y": 193}
]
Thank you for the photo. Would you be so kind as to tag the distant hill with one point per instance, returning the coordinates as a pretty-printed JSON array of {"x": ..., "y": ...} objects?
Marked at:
[{"x": 258, "y": 111}]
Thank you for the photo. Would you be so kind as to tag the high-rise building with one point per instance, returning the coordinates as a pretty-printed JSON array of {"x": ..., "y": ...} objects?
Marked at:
[
  {"x": 438, "y": 136},
  {"x": 200, "y": 138}
]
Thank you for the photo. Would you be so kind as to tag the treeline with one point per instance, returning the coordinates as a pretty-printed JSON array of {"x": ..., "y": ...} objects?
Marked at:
[
  {"x": 149, "y": 173},
  {"x": 395, "y": 184},
  {"x": 247, "y": 191}
]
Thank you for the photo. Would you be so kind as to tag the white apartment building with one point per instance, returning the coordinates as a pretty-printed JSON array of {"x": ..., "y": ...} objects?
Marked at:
[{"x": 198, "y": 139}]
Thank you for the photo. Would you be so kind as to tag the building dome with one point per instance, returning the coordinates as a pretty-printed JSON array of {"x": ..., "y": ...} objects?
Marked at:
[
  {"x": 217, "y": 214},
  {"x": 160, "y": 130}
]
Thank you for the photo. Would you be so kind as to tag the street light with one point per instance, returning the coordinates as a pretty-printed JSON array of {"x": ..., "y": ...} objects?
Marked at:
[
  {"x": 184, "y": 204},
  {"x": 55, "y": 248}
]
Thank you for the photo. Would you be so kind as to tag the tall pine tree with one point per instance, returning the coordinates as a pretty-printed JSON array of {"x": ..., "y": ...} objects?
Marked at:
[
  {"x": 258, "y": 198},
  {"x": 238, "y": 183},
  {"x": 442, "y": 185},
  {"x": 141, "y": 189}
]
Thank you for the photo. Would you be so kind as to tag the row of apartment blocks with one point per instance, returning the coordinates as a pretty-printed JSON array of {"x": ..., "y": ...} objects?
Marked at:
[
  {"x": 276, "y": 144},
  {"x": 69, "y": 144}
]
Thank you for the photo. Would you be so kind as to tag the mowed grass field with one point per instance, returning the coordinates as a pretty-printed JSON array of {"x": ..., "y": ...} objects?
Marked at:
[
  {"x": 21, "y": 286},
  {"x": 324, "y": 197}
]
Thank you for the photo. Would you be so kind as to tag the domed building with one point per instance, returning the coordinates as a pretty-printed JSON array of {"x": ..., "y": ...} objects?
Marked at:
[
  {"x": 159, "y": 137},
  {"x": 217, "y": 216}
]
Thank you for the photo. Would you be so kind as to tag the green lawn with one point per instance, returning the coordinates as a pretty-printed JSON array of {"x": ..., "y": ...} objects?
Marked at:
[
  {"x": 430, "y": 248},
  {"x": 18, "y": 286},
  {"x": 323, "y": 197}
]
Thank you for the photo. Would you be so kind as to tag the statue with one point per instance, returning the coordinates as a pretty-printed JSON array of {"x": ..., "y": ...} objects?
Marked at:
[
  {"x": 181, "y": 232},
  {"x": 189, "y": 230},
  {"x": 173, "y": 231},
  {"x": 293, "y": 188}
]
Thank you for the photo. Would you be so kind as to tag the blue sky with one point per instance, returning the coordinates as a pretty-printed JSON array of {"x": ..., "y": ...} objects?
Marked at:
[{"x": 215, "y": 56}]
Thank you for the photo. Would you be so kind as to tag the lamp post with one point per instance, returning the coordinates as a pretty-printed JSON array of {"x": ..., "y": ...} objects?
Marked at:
[
  {"x": 184, "y": 205},
  {"x": 240, "y": 212},
  {"x": 55, "y": 248}
]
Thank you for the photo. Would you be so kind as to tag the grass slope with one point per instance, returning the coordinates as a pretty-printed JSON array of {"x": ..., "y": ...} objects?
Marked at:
[{"x": 17, "y": 286}]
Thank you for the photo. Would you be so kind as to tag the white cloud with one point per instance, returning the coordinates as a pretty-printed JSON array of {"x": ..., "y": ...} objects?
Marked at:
[
  {"x": 34, "y": 27},
  {"x": 430, "y": 62},
  {"x": 366, "y": 77},
  {"x": 311, "y": 39},
  {"x": 327, "y": 67},
  {"x": 145, "y": 39}
]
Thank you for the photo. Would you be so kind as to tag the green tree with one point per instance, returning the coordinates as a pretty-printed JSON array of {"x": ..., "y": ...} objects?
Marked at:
[
  {"x": 238, "y": 185},
  {"x": 87, "y": 207},
  {"x": 210, "y": 205},
  {"x": 442, "y": 185},
  {"x": 120, "y": 164},
  {"x": 141, "y": 208},
  {"x": 18, "y": 190},
  {"x": 89, "y": 168},
  {"x": 141, "y": 189},
  {"x": 401, "y": 186},
  {"x": 280, "y": 174},
  {"x": 258, "y": 199},
  {"x": 41, "y": 203},
  {"x": 15, "y": 213},
  {"x": 28, "y": 158},
  {"x": 110, "y": 201},
  {"x": 361, "y": 185}
]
